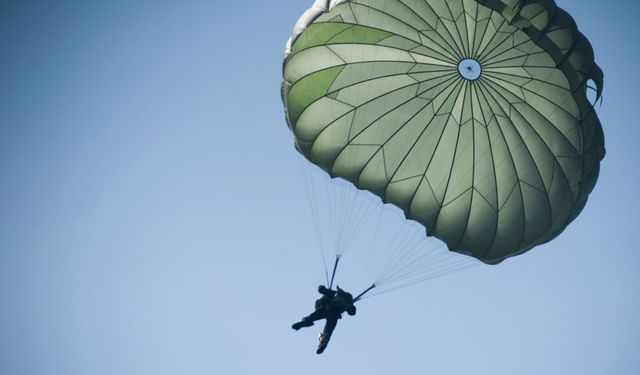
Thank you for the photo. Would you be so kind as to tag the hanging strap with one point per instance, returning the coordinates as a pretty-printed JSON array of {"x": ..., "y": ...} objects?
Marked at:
[
  {"x": 363, "y": 293},
  {"x": 335, "y": 268}
]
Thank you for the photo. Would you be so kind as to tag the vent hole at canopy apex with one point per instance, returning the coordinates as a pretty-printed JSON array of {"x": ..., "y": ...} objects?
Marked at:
[{"x": 470, "y": 69}]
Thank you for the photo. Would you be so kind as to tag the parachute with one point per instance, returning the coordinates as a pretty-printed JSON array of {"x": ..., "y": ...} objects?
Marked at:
[{"x": 471, "y": 116}]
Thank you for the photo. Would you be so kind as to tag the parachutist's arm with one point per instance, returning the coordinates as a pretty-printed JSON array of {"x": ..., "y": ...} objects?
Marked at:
[{"x": 351, "y": 310}]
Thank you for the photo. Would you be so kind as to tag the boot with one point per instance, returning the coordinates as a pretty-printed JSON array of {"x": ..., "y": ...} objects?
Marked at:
[
  {"x": 301, "y": 324},
  {"x": 322, "y": 345}
]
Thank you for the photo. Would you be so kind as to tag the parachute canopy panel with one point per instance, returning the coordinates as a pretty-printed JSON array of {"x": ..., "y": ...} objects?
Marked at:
[{"x": 471, "y": 116}]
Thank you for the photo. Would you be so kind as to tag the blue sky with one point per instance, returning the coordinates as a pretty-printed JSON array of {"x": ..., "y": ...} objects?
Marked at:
[{"x": 153, "y": 217}]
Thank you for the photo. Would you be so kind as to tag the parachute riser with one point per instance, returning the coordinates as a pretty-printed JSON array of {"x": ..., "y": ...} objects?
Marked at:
[
  {"x": 363, "y": 293},
  {"x": 333, "y": 274}
]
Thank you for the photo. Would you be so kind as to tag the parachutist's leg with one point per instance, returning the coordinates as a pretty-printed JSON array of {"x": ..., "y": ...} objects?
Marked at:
[
  {"x": 326, "y": 334},
  {"x": 307, "y": 321}
]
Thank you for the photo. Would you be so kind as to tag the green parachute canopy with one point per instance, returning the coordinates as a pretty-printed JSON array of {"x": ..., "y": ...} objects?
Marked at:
[{"x": 471, "y": 116}]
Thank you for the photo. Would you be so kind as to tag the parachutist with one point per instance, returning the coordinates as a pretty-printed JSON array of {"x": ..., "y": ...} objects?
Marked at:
[{"x": 330, "y": 307}]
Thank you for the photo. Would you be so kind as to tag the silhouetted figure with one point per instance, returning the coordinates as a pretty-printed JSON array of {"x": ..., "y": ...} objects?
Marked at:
[{"x": 330, "y": 307}]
